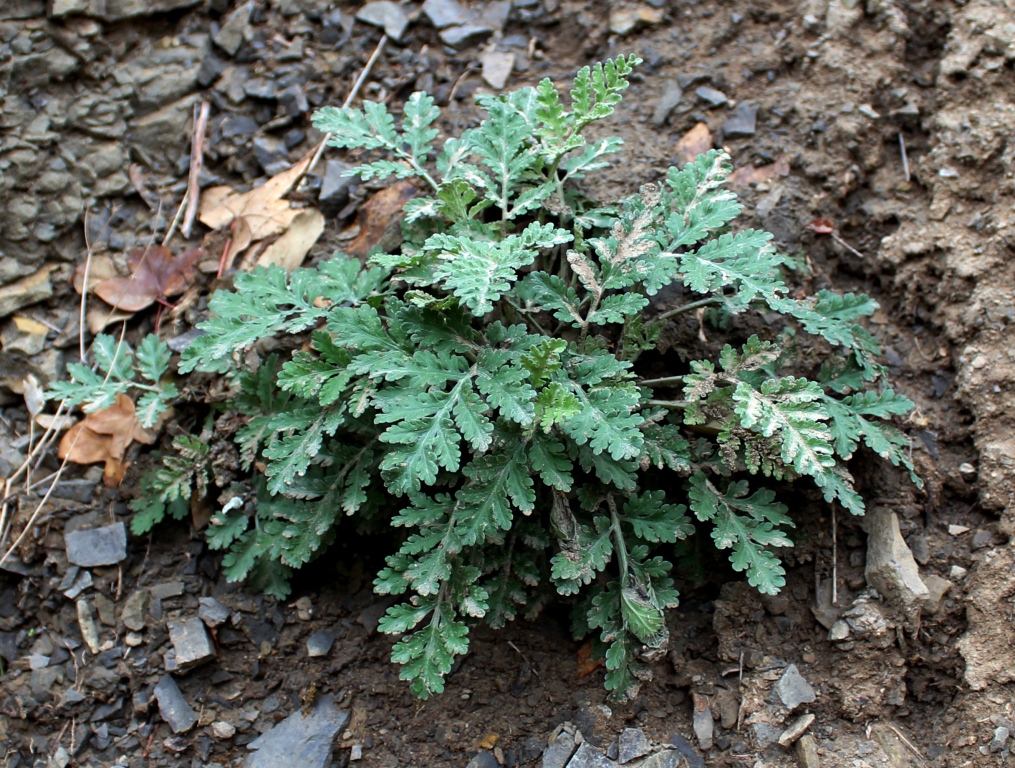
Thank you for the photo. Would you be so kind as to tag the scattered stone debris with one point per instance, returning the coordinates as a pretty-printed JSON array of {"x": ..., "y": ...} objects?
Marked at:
[
  {"x": 93, "y": 547},
  {"x": 300, "y": 740},
  {"x": 807, "y": 752},
  {"x": 668, "y": 100},
  {"x": 319, "y": 644},
  {"x": 223, "y": 730},
  {"x": 792, "y": 689},
  {"x": 711, "y": 96},
  {"x": 89, "y": 632},
  {"x": 891, "y": 569},
  {"x": 191, "y": 642},
  {"x": 742, "y": 121},
  {"x": 796, "y": 730},
  {"x": 385, "y": 14},
  {"x": 559, "y": 751},
  {"x": 212, "y": 612},
  {"x": 702, "y": 721},
  {"x": 625, "y": 20},
  {"x": 588, "y": 756},
  {"x": 173, "y": 706},
  {"x": 632, "y": 744},
  {"x": 134, "y": 608},
  {"x": 497, "y": 67}
]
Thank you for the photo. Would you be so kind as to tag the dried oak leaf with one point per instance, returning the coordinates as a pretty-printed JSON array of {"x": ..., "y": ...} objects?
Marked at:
[
  {"x": 696, "y": 141},
  {"x": 155, "y": 274},
  {"x": 253, "y": 215},
  {"x": 104, "y": 436},
  {"x": 380, "y": 219}
]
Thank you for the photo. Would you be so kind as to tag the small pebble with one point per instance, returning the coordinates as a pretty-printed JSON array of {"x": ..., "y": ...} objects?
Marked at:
[{"x": 223, "y": 730}]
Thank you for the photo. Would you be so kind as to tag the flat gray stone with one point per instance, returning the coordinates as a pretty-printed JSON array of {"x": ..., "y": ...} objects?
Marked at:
[
  {"x": 742, "y": 121},
  {"x": 483, "y": 759},
  {"x": 891, "y": 568},
  {"x": 173, "y": 706},
  {"x": 668, "y": 758},
  {"x": 466, "y": 35},
  {"x": 445, "y": 13},
  {"x": 212, "y": 612},
  {"x": 632, "y": 744},
  {"x": 559, "y": 751},
  {"x": 134, "y": 609},
  {"x": 385, "y": 14},
  {"x": 497, "y": 67},
  {"x": 590, "y": 757},
  {"x": 191, "y": 642},
  {"x": 668, "y": 100},
  {"x": 298, "y": 740},
  {"x": 28, "y": 290},
  {"x": 167, "y": 589},
  {"x": 335, "y": 186},
  {"x": 319, "y": 643},
  {"x": 694, "y": 760},
  {"x": 711, "y": 96},
  {"x": 230, "y": 35},
  {"x": 765, "y": 734},
  {"x": 792, "y": 690}
]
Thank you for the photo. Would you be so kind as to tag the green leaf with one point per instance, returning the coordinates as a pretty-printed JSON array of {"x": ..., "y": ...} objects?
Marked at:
[
  {"x": 547, "y": 457},
  {"x": 745, "y": 524},
  {"x": 553, "y": 295},
  {"x": 697, "y": 205},
  {"x": 607, "y": 421},
  {"x": 479, "y": 273},
  {"x": 792, "y": 409},
  {"x": 744, "y": 261},
  {"x": 428, "y": 654},
  {"x": 555, "y": 404},
  {"x": 582, "y": 556},
  {"x": 655, "y": 521},
  {"x": 152, "y": 358}
]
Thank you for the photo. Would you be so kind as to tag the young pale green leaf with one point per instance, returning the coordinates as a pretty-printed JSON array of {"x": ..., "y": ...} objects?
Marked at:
[{"x": 152, "y": 358}]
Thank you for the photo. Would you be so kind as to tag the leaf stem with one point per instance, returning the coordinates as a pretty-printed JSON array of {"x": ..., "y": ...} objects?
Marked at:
[
  {"x": 673, "y": 405},
  {"x": 665, "y": 381},
  {"x": 618, "y": 537},
  {"x": 690, "y": 307}
]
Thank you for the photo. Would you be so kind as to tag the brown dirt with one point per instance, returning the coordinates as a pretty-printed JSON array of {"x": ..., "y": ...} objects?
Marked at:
[{"x": 836, "y": 87}]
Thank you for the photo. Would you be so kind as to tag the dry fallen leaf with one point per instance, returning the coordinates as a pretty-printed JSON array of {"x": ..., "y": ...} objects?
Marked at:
[
  {"x": 748, "y": 174},
  {"x": 253, "y": 215},
  {"x": 155, "y": 274},
  {"x": 101, "y": 268},
  {"x": 696, "y": 141},
  {"x": 104, "y": 436},
  {"x": 380, "y": 218},
  {"x": 99, "y": 318},
  {"x": 822, "y": 226},
  {"x": 586, "y": 664},
  {"x": 51, "y": 421},
  {"x": 292, "y": 247}
]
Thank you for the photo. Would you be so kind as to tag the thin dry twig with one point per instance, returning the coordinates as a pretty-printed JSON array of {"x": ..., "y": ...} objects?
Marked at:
[
  {"x": 835, "y": 556},
  {"x": 905, "y": 157},
  {"x": 196, "y": 162},
  {"x": 349, "y": 99},
  {"x": 84, "y": 293},
  {"x": 908, "y": 743},
  {"x": 56, "y": 479},
  {"x": 529, "y": 663}
]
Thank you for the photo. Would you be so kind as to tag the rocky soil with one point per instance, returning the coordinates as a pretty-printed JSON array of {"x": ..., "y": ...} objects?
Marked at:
[{"x": 892, "y": 642}]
